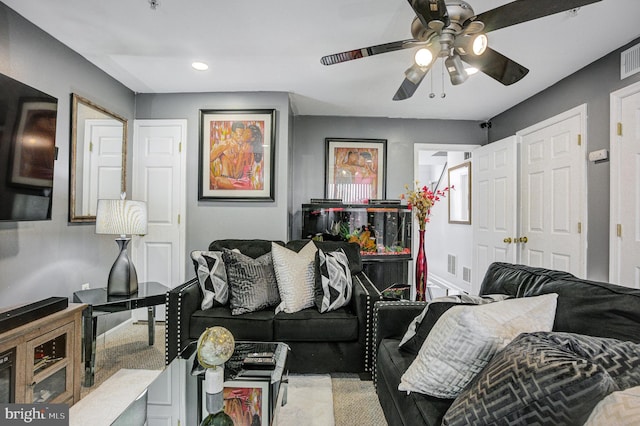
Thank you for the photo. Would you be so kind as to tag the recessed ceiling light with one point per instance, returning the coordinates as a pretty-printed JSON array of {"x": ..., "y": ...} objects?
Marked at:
[{"x": 200, "y": 66}]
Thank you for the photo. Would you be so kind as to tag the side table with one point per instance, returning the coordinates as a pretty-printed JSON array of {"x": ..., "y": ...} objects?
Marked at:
[{"x": 98, "y": 303}]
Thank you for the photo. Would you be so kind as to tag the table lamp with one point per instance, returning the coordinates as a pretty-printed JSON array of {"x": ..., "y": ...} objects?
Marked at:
[
  {"x": 215, "y": 347},
  {"x": 122, "y": 217}
]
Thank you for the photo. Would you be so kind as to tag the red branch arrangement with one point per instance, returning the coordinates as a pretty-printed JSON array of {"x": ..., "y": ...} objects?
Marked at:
[{"x": 421, "y": 200}]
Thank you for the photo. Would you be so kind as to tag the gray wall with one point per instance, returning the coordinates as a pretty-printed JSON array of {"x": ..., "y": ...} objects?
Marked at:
[
  {"x": 591, "y": 85},
  {"x": 401, "y": 134},
  {"x": 54, "y": 258},
  {"x": 211, "y": 220}
]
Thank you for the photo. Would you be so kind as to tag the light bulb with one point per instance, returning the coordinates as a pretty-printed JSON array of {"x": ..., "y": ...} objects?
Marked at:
[
  {"x": 423, "y": 57},
  {"x": 480, "y": 44}
]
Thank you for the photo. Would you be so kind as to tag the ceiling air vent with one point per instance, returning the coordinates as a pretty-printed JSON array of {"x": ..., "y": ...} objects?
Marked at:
[{"x": 630, "y": 62}]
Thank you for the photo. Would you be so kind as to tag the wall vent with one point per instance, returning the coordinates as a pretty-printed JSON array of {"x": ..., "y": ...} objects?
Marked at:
[
  {"x": 630, "y": 62},
  {"x": 466, "y": 274},
  {"x": 451, "y": 264}
]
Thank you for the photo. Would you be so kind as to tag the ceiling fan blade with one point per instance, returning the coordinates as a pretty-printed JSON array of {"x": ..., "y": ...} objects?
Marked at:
[
  {"x": 497, "y": 66},
  {"x": 408, "y": 87},
  {"x": 350, "y": 55},
  {"x": 430, "y": 10},
  {"x": 520, "y": 11}
]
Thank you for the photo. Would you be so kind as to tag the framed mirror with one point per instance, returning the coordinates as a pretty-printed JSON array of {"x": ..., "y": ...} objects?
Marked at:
[
  {"x": 98, "y": 158},
  {"x": 460, "y": 196}
]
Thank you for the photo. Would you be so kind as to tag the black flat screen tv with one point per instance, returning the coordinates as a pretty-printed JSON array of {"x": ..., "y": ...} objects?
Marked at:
[{"x": 27, "y": 151}]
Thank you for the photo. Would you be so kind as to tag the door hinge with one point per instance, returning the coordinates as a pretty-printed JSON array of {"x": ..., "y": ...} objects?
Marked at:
[
  {"x": 90, "y": 146},
  {"x": 619, "y": 129},
  {"x": 579, "y": 139},
  {"x": 579, "y": 227},
  {"x": 180, "y": 147},
  {"x": 619, "y": 230},
  {"x": 178, "y": 219}
]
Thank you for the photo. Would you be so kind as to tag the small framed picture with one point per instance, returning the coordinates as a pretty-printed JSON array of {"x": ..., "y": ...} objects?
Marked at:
[
  {"x": 355, "y": 170},
  {"x": 247, "y": 402},
  {"x": 237, "y": 155}
]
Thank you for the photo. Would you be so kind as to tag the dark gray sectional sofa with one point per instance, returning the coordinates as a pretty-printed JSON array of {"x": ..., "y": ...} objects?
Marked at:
[
  {"x": 335, "y": 341},
  {"x": 583, "y": 307}
]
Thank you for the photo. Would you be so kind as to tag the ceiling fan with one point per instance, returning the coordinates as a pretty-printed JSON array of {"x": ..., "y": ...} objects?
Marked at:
[{"x": 452, "y": 31}]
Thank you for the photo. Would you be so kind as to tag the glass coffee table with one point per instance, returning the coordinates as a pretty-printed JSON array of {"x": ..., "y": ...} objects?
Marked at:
[{"x": 249, "y": 394}]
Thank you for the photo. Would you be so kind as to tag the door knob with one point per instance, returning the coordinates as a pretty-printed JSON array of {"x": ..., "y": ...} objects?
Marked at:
[
  {"x": 507, "y": 240},
  {"x": 523, "y": 239}
]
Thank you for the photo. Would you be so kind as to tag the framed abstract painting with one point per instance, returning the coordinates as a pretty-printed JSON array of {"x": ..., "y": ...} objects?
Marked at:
[{"x": 237, "y": 155}]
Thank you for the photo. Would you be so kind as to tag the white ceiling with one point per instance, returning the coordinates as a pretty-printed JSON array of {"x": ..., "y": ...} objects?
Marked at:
[{"x": 276, "y": 45}]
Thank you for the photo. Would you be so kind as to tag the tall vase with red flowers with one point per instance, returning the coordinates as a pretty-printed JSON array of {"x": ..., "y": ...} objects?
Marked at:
[{"x": 421, "y": 200}]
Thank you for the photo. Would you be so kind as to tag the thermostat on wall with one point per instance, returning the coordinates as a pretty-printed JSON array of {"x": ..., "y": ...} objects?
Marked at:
[{"x": 599, "y": 156}]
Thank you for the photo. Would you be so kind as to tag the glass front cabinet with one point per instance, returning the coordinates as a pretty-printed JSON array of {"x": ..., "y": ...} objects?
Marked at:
[{"x": 383, "y": 232}]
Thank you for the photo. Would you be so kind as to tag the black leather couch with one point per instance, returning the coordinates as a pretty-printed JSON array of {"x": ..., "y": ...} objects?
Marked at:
[
  {"x": 584, "y": 307},
  {"x": 336, "y": 341}
]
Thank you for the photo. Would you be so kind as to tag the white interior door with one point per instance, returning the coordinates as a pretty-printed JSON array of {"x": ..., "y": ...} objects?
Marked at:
[
  {"x": 553, "y": 193},
  {"x": 102, "y": 163},
  {"x": 624, "y": 264},
  {"x": 495, "y": 207},
  {"x": 159, "y": 178}
]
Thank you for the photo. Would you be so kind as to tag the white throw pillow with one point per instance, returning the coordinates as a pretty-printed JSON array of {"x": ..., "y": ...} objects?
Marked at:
[
  {"x": 620, "y": 408},
  {"x": 465, "y": 338},
  {"x": 295, "y": 275}
]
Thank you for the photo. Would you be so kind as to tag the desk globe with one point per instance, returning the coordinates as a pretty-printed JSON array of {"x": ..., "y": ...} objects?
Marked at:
[{"x": 215, "y": 347}]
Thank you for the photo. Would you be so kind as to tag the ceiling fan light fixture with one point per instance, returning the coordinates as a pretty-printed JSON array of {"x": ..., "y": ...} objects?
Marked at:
[
  {"x": 415, "y": 73},
  {"x": 456, "y": 70},
  {"x": 423, "y": 57}
]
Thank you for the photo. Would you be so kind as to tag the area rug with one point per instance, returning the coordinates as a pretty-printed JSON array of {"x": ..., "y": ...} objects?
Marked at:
[
  {"x": 309, "y": 402},
  {"x": 122, "y": 389}
]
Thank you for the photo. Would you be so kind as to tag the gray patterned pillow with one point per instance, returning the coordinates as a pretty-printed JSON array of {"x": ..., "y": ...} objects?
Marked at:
[
  {"x": 465, "y": 338},
  {"x": 333, "y": 280},
  {"x": 547, "y": 378},
  {"x": 212, "y": 277},
  {"x": 295, "y": 274},
  {"x": 252, "y": 282}
]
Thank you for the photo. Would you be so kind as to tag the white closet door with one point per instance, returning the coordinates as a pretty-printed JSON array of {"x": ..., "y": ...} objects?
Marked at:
[
  {"x": 624, "y": 264},
  {"x": 494, "y": 210},
  {"x": 552, "y": 189}
]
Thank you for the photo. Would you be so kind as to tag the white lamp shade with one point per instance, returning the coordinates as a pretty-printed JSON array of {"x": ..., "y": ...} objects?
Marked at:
[{"x": 121, "y": 217}]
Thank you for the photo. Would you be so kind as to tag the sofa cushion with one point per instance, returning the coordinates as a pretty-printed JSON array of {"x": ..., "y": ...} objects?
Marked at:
[
  {"x": 352, "y": 250},
  {"x": 333, "y": 280},
  {"x": 547, "y": 378},
  {"x": 252, "y": 282},
  {"x": 309, "y": 325},
  {"x": 465, "y": 339},
  {"x": 253, "y": 248},
  {"x": 212, "y": 277},
  {"x": 295, "y": 275},
  {"x": 413, "y": 408},
  {"x": 621, "y": 408},
  {"x": 257, "y": 326},
  {"x": 421, "y": 326}
]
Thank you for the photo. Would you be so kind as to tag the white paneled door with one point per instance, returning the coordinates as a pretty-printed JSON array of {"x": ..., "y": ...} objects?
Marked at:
[
  {"x": 624, "y": 264},
  {"x": 553, "y": 193},
  {"x": 494, "y": 210},
  {"x": 159, "y": 179}
]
